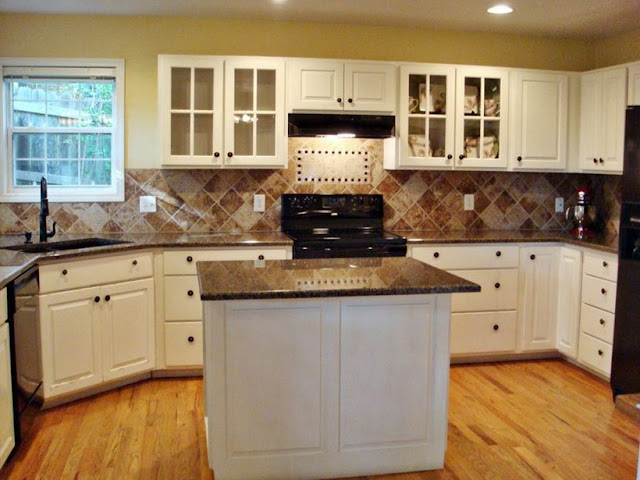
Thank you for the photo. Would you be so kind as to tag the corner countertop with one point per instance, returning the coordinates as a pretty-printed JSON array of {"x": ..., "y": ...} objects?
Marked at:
[{"x": 334, "y": 277}]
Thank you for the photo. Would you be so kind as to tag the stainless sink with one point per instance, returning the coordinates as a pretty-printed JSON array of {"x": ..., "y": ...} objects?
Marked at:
[{"x": 65, "y": 245}]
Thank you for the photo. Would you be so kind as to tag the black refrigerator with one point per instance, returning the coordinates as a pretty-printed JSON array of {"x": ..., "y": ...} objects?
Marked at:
[{"x": 625, "y": 363}]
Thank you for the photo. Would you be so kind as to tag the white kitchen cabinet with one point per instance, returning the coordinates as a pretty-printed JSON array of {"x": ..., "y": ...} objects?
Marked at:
[
  {"x": 538, "y": 297},
  {"x": 482, "y": 103},
  {"x": 96, "y": 334},
  {"x": 221, "y": 111},
  {"x": 182, "y": 304},
  {"x": 330, "y": 85},
  {"x": 634, "y": 84},
  {"x": 7, "y": 435},
  {"x": 602, "y": 117},
  {"x": 538, "y": 120},
  {"x": 569, "y": 287},
  {"x": 426, "y": 117}
]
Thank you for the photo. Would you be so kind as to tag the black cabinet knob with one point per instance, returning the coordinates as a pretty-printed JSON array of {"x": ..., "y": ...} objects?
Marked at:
[
  {"x": 601, "y": 160},
  {"x": 107, "y": 298},
  {"x": 260, "y": 257},
  {"x": 498, "y": 253},
  {"x": 436, "y": 254},
  {"x": 350, "y": 100},
  {"x": 602, "y": 321},
  {"x": 190, "y": 339},
  {"x": 190, "y": 293},
  {"x": 603, "y": 291},
  {"x": 605, "y": 264},
  {"x": 600, "y": 352},
  {"x": 217, "y": 154},
  {"x": 532, "y": 257},
  {"x": 449, "y": 157},
  {"x": 519, "y": 159},
  {"x": 229, "y": 154},
  {"x": 460, "y": 157},
  {"x": 339, "y": 100},
  {"x": 496, "y": 328},
  {"x": 497, "y": 285},
  {"x": 96, "y": 299},
  {"x": 64, "y": 272},
  {"x": 134, "y": 263},
  {"x": 189, "y": 259},
  {"x": 595, "y": 160}
]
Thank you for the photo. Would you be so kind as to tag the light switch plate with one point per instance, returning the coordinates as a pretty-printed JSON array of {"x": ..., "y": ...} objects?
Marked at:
[
  {"x": 559, "y": 204},
  {"x": 258, "y": 203},
  {"x": 469, "y": 201},
  {"x": 148, "y": 204}
]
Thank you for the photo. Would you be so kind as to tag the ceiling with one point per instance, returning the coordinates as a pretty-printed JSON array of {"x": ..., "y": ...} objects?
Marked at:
[{"x": 581, "y": 19}]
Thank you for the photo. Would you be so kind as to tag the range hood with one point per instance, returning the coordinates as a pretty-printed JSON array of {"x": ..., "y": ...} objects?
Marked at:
[{"x": 342, "y": 125}]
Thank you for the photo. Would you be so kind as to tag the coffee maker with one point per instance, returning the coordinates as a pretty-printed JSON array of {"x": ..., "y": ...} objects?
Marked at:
[{"x": 584, "y": 215}]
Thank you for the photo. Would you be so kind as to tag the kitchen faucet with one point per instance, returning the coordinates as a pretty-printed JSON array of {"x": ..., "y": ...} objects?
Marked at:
[{"x": 44, "y": 212}]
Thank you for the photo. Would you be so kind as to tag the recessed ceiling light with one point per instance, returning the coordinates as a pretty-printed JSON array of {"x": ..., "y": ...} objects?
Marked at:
[{"x": 500, "y": 9}]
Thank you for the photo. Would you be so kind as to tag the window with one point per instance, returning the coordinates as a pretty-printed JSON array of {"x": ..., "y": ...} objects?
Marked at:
[{"x": 62, "y": 119}]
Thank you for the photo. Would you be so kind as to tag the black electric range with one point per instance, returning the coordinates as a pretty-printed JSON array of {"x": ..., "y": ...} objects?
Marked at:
[{"x": 325, "y": 226}]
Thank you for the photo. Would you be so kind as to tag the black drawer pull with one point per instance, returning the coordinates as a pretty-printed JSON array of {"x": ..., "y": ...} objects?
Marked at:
[
  {"x": 189, "y": 259},
  {"x": 190, "y": 339},
  {"x": 519, "y": 159},
  {"x": 107, "y": 298},
  {"x": 600, "y": 352},
  {"x": 605, "y": 264},
  {"x": 436, "y": 254},
  {"x": 532, "y": 257},
  {"x": 229, "y": 154},
  {"x": 135, "y": 262},
  {"x": 498, "y": 253},
  {"x": 603, "y": 291},
  {"x": 602, "y": 321},
  {"x": 595, "y": 160},
  {"x": 64, "y": 272},
  {"x": 496, "y": 328},
  {"x": 217, "y": 154},
  {"x": 260, "y": 257},
  {"x": 601, "y": 160},
  {"x": 497, "y": 285},
  {"x": 96, "y": 299},
  {"x": 190, "y": 293}
]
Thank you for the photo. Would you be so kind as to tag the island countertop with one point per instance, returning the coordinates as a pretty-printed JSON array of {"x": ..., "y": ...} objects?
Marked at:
[{"x": 335, "y": 277}]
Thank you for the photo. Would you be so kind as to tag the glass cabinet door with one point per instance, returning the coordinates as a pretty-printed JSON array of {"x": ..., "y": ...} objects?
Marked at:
[
  {"x": 254, "y": 120},
  {"x": 481, "y": 131},
  {"x": 426, "y": 119},
  {"x": 190, "y": 92}
]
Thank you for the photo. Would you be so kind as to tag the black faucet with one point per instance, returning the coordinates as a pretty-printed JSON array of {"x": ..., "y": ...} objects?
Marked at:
[{"x": 44, "y": 212}]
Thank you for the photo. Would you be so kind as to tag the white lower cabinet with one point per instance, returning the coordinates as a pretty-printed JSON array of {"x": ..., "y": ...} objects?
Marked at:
[
  {"x": 538, "y": 297},
  {"x": 568, "y": 313},
  {"x": 7, "y": 435},
  {"x": 96, "y": 334}
]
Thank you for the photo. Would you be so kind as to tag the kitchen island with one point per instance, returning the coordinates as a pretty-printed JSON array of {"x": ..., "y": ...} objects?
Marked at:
[{"x": 326, "y": 368}]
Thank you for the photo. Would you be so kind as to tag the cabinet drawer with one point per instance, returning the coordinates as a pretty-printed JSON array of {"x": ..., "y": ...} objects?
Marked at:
[
  {"x": 4, "y": 314},
  {"x": 499, "y": 291},
  {"x": 599, "y": 293},
  {"x": 183, "y": 262},
  {"x": 597, "y": 323},
  {"x": 182, "y": 298},
  {"x": 95, "y": 271},
  {"x": 595, "y": 353},
  {"x": 467, "y": 256},
  {"x": 183, "y": 344},
  {"x": 602, "y": 266},
  {"x": 483, "y": 332}
]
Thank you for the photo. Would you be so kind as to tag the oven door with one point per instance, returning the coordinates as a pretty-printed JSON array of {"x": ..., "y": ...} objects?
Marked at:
[{"x": 351, "y": 251}]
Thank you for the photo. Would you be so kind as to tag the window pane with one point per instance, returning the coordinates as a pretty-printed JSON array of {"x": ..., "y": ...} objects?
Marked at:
[
  {"x": 27, "y": 172},
  {"x": 180, "y": 88},
  {"x": 95, "y": 145},
  {"x": 62, "y": 145},
  {"x": 243, "y": 89},
  {"x": 62, "y": 172},
  {"x": 266, "y": 131},
  {"x": 28, "y": 145},
  {"x": 266, "y": 90},
  {"x": 95, "y": 172},
  {"x": 243, "y": 138}
]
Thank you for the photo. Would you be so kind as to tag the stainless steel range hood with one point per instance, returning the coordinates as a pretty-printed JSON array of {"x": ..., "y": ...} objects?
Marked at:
[{"x": 348, "y": 126}]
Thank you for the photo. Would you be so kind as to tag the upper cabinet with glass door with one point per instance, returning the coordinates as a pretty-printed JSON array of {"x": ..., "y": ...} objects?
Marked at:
[
  {"x": 221, "y": 112},
  {"x": 254, "y": 113},
  {"x": 426, "y": 117},
  {"x": 481, "y": 113}
]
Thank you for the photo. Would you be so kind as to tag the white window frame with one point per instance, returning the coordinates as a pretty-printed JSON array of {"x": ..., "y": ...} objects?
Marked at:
[{"x": 112, "y": 193}]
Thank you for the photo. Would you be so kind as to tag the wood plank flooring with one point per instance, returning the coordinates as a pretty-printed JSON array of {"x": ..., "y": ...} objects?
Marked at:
[{"x": 518, "y": 420}]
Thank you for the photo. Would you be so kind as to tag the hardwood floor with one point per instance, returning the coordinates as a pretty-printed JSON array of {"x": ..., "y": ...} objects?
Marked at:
[{"x": 521, "y": 420}]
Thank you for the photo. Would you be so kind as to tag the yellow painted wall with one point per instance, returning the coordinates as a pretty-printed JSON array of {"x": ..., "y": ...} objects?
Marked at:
[
  {"x": 140, "y": 39},
  {"x": 616, "y": 50}
]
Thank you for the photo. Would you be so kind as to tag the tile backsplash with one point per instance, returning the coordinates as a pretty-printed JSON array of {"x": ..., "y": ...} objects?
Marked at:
[{"x": 222, "y": 200}]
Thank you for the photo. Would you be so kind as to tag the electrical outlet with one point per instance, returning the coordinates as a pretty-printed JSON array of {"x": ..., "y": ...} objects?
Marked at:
[
  {"x": 258, "y": 203},
  {"x": 469, "y": 201},
  {"x": 147, "y": 204},
  {"x": 559, "y": 205}
]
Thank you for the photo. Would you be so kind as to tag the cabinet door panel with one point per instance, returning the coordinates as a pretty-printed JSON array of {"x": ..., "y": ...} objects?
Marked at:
[
  {"x": 499, "y": 291},
  {"x": 128, "y": 328},
  {"x": 569, "y": 284},
  {"x": 70, "y": 338},
  {"x": 182, "y": 298},
  {"x": 590, "y": 116},
  {"x": 595, "y": 353},
  {"x": 614, "y": 86},
  {"x": 316, "y": 85},
  {"x": 7, "y": 438},
  {"x": 183, "y": 344},
  {"x": 634, "y": 85},
  {"x": 369, "y": 87},
  {"x": 483, "y": 332},
  {"x": 599, "y": 293}
]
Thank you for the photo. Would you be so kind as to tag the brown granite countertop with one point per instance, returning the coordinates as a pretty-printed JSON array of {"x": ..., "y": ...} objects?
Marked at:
[
  {"x": 605, "y": 243},
  {"x": 335, "y": 277}
]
